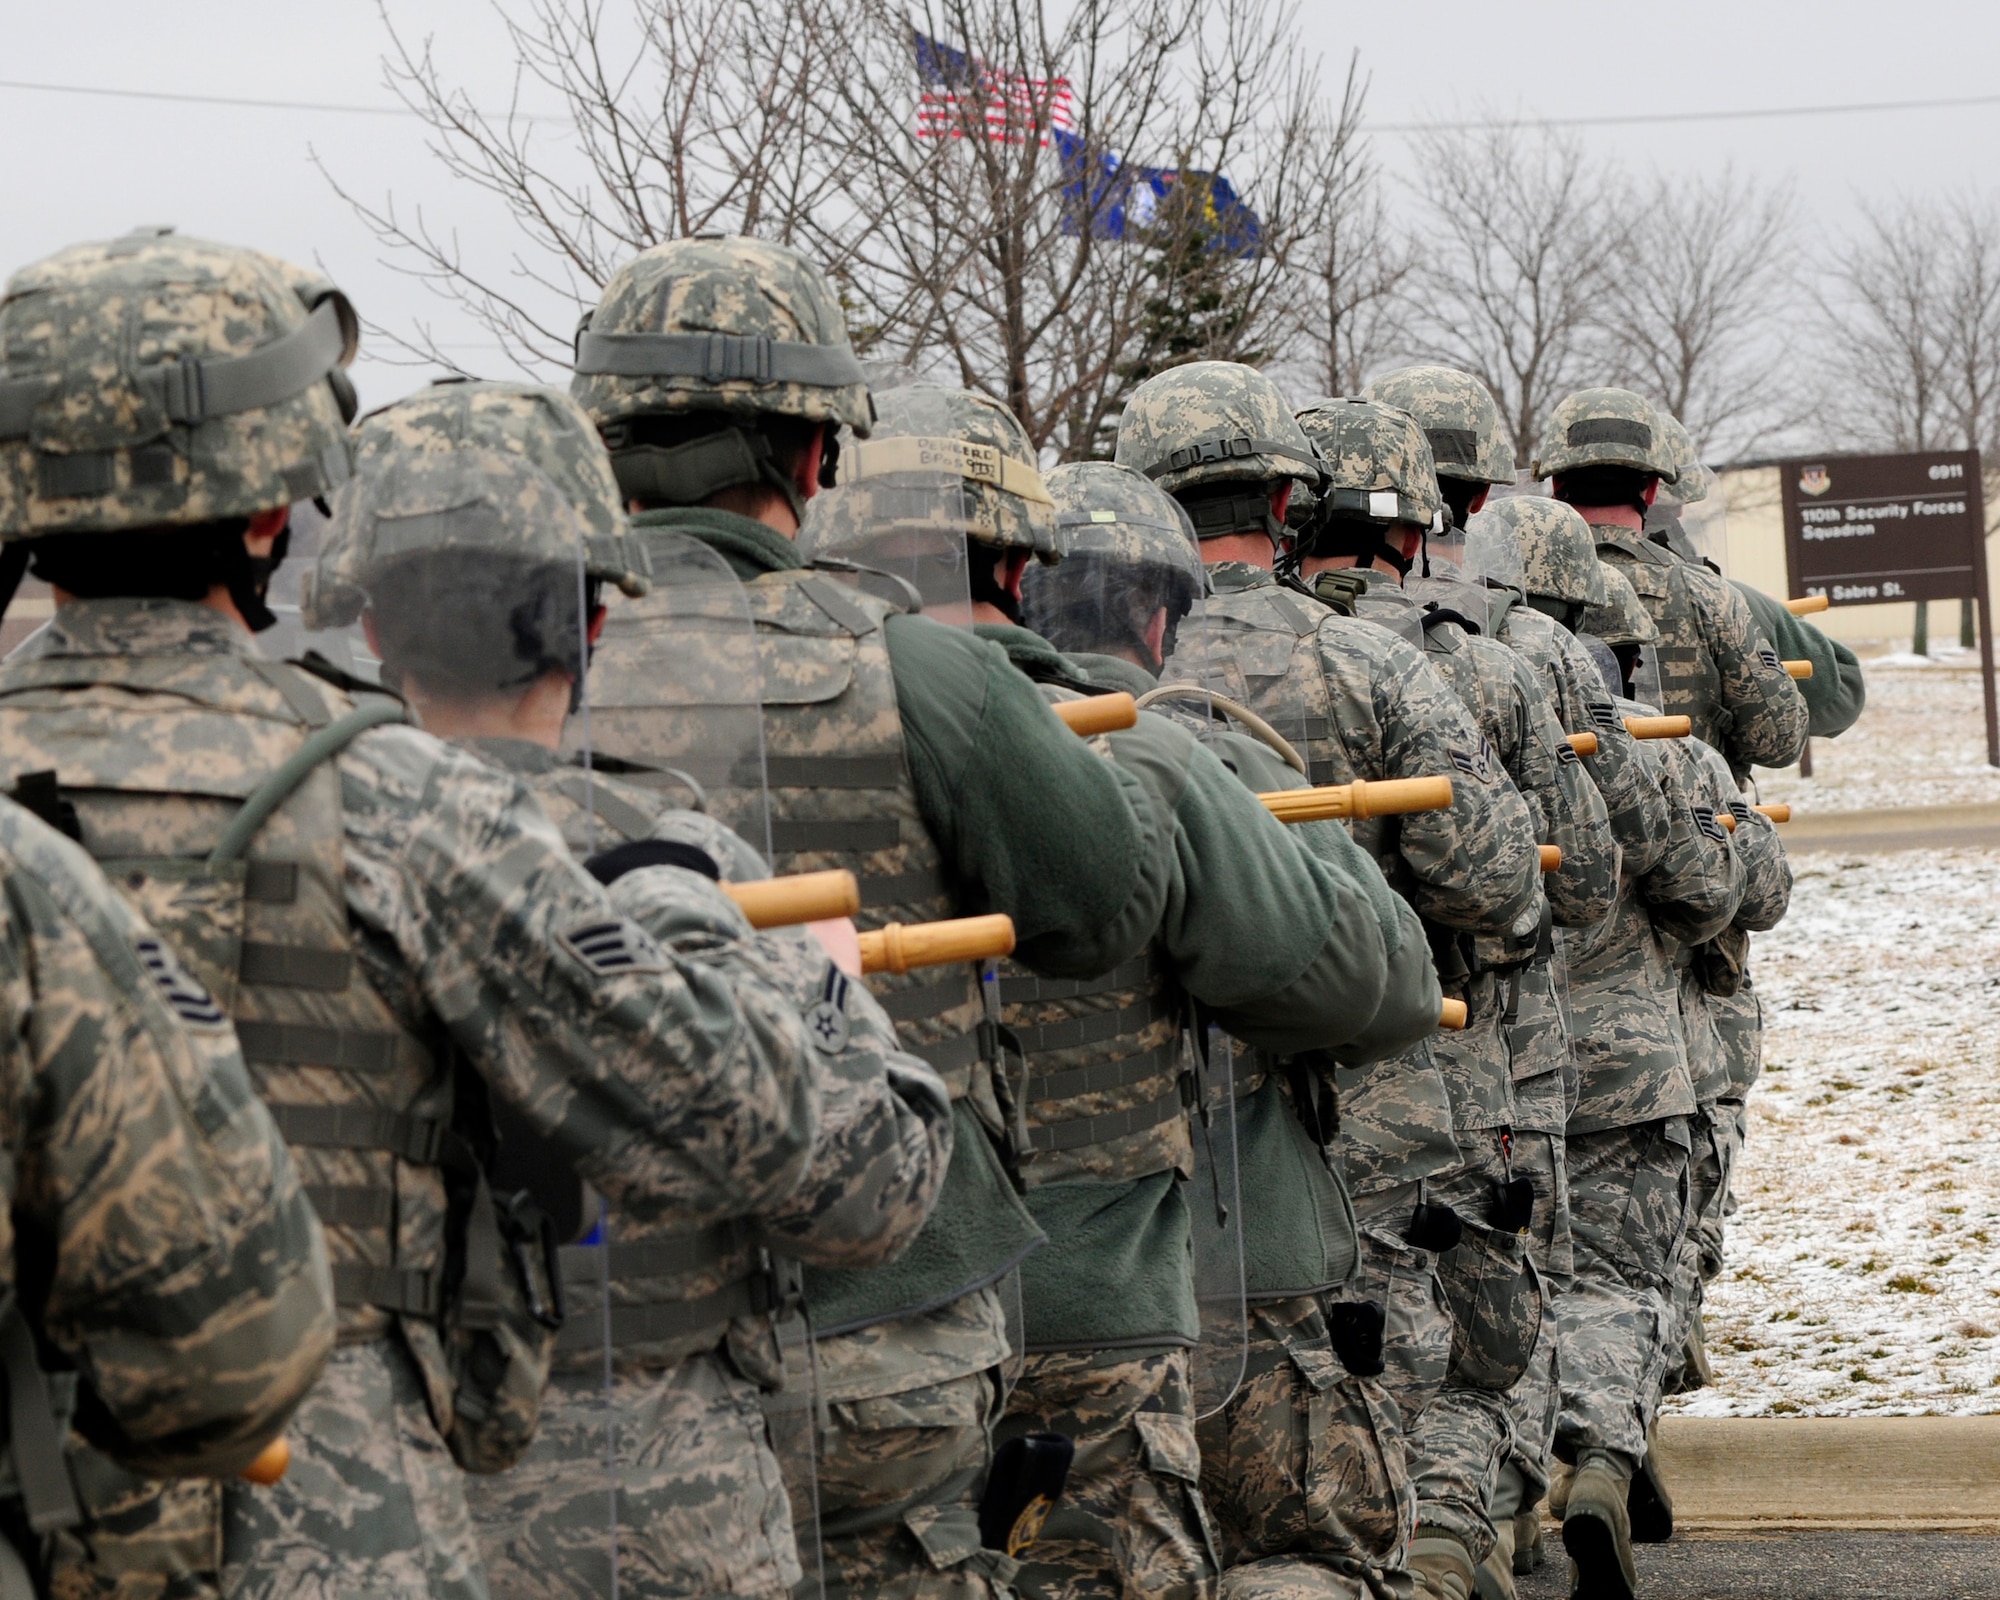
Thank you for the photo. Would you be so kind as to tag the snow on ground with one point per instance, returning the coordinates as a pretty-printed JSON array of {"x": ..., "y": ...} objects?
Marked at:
[
  {"x": 1921, "y": 742},
  {"x": 1863, "y": 1270}
]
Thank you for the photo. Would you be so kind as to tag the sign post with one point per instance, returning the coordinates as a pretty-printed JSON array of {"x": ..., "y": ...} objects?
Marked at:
[{"x": 1865, "y": 530}]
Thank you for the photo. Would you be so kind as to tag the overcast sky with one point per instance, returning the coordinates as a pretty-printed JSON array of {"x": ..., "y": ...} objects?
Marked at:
[{"x": 79, "y": 167}]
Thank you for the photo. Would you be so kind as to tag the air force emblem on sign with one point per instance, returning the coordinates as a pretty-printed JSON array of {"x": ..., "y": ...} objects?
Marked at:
[
  {"x": 1814, "y": 480},
  {"x": 612, "y": 949},
  {"x": 826, "y": 1022}
]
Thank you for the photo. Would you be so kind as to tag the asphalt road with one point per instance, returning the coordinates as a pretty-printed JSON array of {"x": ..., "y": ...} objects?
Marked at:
[{"x": 1801, "y": 1566}]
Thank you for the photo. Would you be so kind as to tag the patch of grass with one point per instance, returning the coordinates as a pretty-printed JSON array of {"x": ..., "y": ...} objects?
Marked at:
[
  {"x": 1909, "y": 1283},
  {"x": 1871, "y": 1265},
  {"x": 1943, "y": 1260},
  {"x": 1973, "y": 1330},
  {"x": 1786, "y": 1408}
]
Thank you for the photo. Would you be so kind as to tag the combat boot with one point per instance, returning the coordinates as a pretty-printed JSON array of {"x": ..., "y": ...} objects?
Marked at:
[
  {"x": 1530, "y": 1554},
  {"x": 1560, "y": 1472},
  {"x": 1442, "y": 1567},
  {"x": 1649, "y": 1508},
  {"x": 1495, "y": 1579},
  {"x": 1596, "y": 1532}
]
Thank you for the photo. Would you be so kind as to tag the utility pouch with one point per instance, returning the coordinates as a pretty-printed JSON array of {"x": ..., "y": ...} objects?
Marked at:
[
  {"x": 1355, "y": 1328},
  {"x": 1026, "y": 1481},
  {"x": 1513, "y": 1208},
  {"x": 1434, "y": 1226}
]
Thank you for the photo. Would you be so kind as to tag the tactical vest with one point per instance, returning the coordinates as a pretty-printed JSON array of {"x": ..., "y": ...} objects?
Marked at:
[
  {"x": 1690, "y": 681},
  {"x": 673, "y": 1291},
  {"x": 159, "y": 755},
  {"x": 840, "y": 795}
]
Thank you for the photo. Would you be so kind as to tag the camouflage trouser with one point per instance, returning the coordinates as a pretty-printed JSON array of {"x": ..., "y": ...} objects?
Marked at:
[
  {"x": 372, "y": 1504},
  {"x": 1710, "y": 1166},
  {"x": 1460, "y": 1440},
  {"x": 1131, "y": 1522},
  {"x": 700, "y": 1507},
  {"x": 1416, "y": 1338},
  {"x": 900, "y": 1477},
  {"x": 1628, "y": 1210},
  {"x": 1303, "y": 1470},
  {"x": 141, "y": 1539}
]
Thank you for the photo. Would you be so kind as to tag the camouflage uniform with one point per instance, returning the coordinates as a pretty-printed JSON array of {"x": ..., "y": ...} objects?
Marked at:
[
  {"x": 914, "y": 756},
  {"x": 399, "y": 907},
  {"x": 1715, "y": 665},
  {"x": 148, "y": 1195},
  {"x": 1137, "y": 1447},
  {"x": 1629, "y": 1139},
  {"x": 1495, "y": 1281},
  {"x": 1358, "y": 703},
  {"x": 699, "y": 1508}
]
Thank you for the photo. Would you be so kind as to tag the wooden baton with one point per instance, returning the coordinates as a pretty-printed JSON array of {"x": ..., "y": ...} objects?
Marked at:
[
  {"x": 1806, "y": 605},
  {"x": 903, "y": 945},
  {"x": 270, "y": 1465},
  {"x": 1382, "y": 797},
  {"x": 1727, "y": 819},
  {"x": 1659, "y": 727},
  {"x": 1798, "y": 669},
  {"x": 799, "y": 897},
  {"x": 1100, "y": 713},
  {"x": 1776, "y": 812},
  {"x": 1451, "y": 1015},
  {"x": 1584, "y": 744},
  {"x": 1552, "y": 857}
]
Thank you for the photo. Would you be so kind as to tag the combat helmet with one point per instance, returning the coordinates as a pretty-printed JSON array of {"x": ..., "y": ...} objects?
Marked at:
[
  {"x": 160, "y": 381},
  {"x": 740, "y": 327},
  {"x": 1458, "y": 416},
  {"x": 925, "y": 435},
  {"x": 1131, "y": 551},
  {"x": 1623, "y": 617},
  {"x": 1558, "y": 551},
  {"x": 1605, "y": 428},
  {"x": 1379, "y": 474},
  {"x": 1692, "y": 480},
  {"x": 509, "y": 471},
  {"x": 1197, "y": 429}
]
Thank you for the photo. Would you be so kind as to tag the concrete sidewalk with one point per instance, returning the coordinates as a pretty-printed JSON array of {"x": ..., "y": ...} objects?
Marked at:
[{"x": 1895, "y": 828}]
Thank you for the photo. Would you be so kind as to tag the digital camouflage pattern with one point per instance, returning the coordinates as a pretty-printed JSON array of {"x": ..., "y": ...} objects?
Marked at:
[
  {"x": 912, "y": 1403},
  {"x": 1604, "y": 427},
  {"x": 1378, "y": 463},
  {"x": 1131, "y": 1521},
  {"x": 1403, "y": 1280},
  {"x": 1213, "y": 422},
  {"x": 372, "y": 1499},
  {"x": 1716, "y": 666},
  {"x": 923, "y": 432},
  {"x": 1302, "y": 1471},
  {"x": 1622, "y": 618},
  {"x": 676, "y": 1086},
  {"x": 1632, "y": 801},
  {"x": 1624, "y": 992},
  {"x": 492, "y": 469},
  {"x": 751, "y": 289},
  {"x": 1629, "y": 1206},
  {"x": 1558, "y": 550},
  {"x": 186, "y": 1276},
  {"x": 1458, "y": 416},
  {"x": 1836, "y": 692},
  {"x": 1112, "y": 514},
  {"x": 98, "y": 428},
  {"x": 1691, "y": 479}
]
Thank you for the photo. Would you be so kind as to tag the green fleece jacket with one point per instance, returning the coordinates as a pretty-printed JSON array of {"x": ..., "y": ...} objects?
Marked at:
[{"x": 1835, "y": 693}]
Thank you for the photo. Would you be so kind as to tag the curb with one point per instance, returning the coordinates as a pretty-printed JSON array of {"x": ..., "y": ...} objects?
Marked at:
[
  {"x": 1882, "y": 1474},
  {"x": 1963, "y": 826}
]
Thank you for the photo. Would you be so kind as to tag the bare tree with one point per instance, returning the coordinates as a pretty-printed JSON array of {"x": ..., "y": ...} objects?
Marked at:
[
  {"x": 1027, "y": 200},
  {"x": 1693, "y": 314},
  {"x": 1520, "y": 238},
  {"x": 1047, "y": 269},
  {"x": 1912, "y": 314},
  {"x": 1353, "y": 262},
  {"x": 683, "y": 117}
]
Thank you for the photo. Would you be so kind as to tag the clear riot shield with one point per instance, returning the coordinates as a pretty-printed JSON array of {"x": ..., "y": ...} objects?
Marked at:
[
  {"x": 289, "y": 638},
  {"x": 1493, "y": 552},
  {"x": 673, "y": 707},
  {"x": 1135, "y": 594},
  {"x": 1705, "y": 522},
  {"x": 1647, "y": 687},
  {"x": 899, "y": 535}
]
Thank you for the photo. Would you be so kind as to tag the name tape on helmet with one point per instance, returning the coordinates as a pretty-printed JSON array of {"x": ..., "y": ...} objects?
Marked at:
[{"x": 977, "y": 463}]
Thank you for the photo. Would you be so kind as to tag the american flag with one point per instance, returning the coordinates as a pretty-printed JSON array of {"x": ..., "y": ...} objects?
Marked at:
[{"x": 959, "y": 93}]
